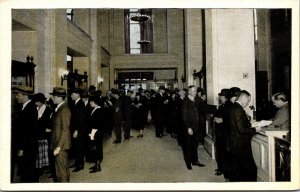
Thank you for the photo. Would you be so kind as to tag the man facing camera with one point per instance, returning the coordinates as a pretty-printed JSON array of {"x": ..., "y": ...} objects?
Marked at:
[{"x": 191, "y": 129}]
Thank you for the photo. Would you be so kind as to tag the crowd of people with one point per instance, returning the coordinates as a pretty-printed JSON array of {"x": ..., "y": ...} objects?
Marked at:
[{"x": 49, "y": 133}]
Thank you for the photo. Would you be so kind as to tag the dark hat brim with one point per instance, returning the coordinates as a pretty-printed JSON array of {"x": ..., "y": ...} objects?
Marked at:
[
  {"x": 58, "y": 94},
  {"x": 24, "y": 92}
]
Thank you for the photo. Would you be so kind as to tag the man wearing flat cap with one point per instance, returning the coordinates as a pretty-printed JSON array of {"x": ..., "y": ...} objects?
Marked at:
[
  {"x": 25, "y": 135},
  {"x": 78, "y": 128},
  {"x": 60, "y": 138}
]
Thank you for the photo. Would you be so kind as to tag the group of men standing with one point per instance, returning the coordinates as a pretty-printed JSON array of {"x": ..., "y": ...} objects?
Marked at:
[
  {"x": 233, "y": 136},
  {"x": 181, "y": 112}
]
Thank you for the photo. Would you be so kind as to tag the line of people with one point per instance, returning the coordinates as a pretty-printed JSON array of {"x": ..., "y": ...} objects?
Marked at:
[{"x": 50, "y": 134}]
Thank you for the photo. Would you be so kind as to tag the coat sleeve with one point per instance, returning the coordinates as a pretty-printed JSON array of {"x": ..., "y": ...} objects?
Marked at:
[
  {"x": 242, "y": 123},
  {"x": 65, "y": 126},
  {"x": 184, "y": 112}
]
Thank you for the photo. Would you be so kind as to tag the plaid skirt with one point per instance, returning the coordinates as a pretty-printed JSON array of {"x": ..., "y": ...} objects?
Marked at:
[{"x": 42, "y": 159}]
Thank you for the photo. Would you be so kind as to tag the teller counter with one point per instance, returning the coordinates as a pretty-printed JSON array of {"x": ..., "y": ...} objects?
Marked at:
[{"x": 264, "y": 154}]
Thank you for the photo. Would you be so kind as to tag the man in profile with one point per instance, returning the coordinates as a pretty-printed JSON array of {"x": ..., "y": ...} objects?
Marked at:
[
  {"x": 243, "y": 167},
  {"x": 25, "y": 135},
  {"x": 61, "y": 139}
]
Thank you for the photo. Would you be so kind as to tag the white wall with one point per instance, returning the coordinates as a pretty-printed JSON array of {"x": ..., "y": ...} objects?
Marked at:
[{"x": 230, "y": 51}]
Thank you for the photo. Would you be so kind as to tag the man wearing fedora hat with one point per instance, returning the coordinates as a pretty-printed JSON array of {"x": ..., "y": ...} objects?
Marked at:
[
  {"x": 78, "y": 128},
  {"x": 118, "y": 116},
  {"x": 25, "y": 135},
  {"x": 220, "y": 130},
  {"x": 60, "y": 138}
]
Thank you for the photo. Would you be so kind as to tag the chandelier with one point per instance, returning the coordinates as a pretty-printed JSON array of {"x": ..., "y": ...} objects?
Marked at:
[{"x": 139, "y": 17}]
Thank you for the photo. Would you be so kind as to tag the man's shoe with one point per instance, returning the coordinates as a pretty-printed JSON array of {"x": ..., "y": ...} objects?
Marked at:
[
  {"x": 198, "y": 164},
  {"x": 116, "y": 142},
  {"x": 91, "y": 168},
  {"x": 77, "y": 169},
  {"x": 96, "y": 169},
  {"x": 72, "y": 166},
  {"x": 189, "y": 167},
  {"x": 218, "y": 173}
]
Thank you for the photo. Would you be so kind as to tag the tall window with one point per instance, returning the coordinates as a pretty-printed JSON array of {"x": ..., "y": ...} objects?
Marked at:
[
  {"x": 70, "y": 14},
  {"x": 138, "y": 31}
]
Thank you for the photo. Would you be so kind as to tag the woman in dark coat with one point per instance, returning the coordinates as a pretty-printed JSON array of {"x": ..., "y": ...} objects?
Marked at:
[
  {"x": 43, "y": 125},
  {"x": 95, "y": 122},
  {"x": 138, "y": 120}
]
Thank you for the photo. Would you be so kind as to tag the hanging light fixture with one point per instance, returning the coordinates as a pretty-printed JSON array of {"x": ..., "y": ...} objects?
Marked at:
[
  {"x": 139, "y": 17},
  {"x": 144, "y": 42}
]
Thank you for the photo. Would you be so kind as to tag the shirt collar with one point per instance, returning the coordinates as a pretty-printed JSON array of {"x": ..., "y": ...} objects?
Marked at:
[
  {"x": 191, "y": 98},
  {"x": 59, "y": 106},
  {"x": 77, "y": 101},
  {"x": 25, "y": 104}
]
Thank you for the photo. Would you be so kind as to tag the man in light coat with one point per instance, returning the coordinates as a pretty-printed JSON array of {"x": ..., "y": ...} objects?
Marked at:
[{"x": 60, "y": 138}]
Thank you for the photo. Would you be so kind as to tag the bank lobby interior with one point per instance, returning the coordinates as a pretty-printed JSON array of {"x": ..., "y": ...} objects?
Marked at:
[{"x": 146, "y": 48}]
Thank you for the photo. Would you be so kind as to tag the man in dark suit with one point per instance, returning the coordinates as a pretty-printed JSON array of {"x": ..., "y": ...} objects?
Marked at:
[
  {"x": 220, "y": 130},
  {"x": 160, "y": 102},
  {"x": 243, "y": 167},
  {"x": 128, "y": 114},
  {"x": 191, "y": 129},
  {"x": 117, "y": 116},
  {"x": 26, "y": 135},
  {"x": 60, "y": 138},
  {"x": 202, "y": 111},
  {"x": 78, "y": 128}
]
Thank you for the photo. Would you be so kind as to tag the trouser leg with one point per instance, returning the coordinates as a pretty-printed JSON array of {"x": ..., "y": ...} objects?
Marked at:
[{"x": 62, "y": 167}]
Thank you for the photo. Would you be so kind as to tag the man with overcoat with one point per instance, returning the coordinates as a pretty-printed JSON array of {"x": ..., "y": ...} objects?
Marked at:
[
  {"x": 243, "y": 167},
  {"x": 78, "y": 128},
  {"x": 25, "y": 135},
  {"x": 191, "y": 129},
  {"x": 60, "y": 138}
]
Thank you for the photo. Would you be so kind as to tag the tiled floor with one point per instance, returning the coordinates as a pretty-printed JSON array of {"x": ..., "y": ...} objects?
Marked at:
[{"x": 145, "y": 160}]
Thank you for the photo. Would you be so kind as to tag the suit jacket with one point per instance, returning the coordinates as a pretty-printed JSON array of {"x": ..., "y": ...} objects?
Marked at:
[
  {"x": 118, "y": 112},
  {"x": 61, "y": 128},
  {"x": 26, "y": 128},
  {"x": 78, "y": 118},
  {"x": 160, "y": 107},
  {"x": 241, "y": 131},
  {"x": 190, "y": 115},
  {"x": 282, "y": 118}
]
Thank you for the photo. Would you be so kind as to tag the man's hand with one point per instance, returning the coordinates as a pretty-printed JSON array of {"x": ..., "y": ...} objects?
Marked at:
[
  {"x": 20, "y": 153},
  {"x": 257, "y": 129},
  {"x": 56, "y": 151},
  {"x": 190, "y": 131},
  {"x": 75, "y": 134},
  {"x": 218, "y": 120},
  {"x": 48, "y": 130}
]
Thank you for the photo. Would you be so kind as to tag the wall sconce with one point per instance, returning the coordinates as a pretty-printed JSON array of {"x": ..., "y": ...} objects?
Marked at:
[
  {"x": 64, "y": 76},
  {"x": 100, "y": 79}
]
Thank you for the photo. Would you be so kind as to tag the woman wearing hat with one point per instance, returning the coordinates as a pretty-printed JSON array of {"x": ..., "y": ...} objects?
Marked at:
[
  {"x": 138, "y": 114},
  {"x": 95, "y": 124},
  {"x": 43, "y": 126}
]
